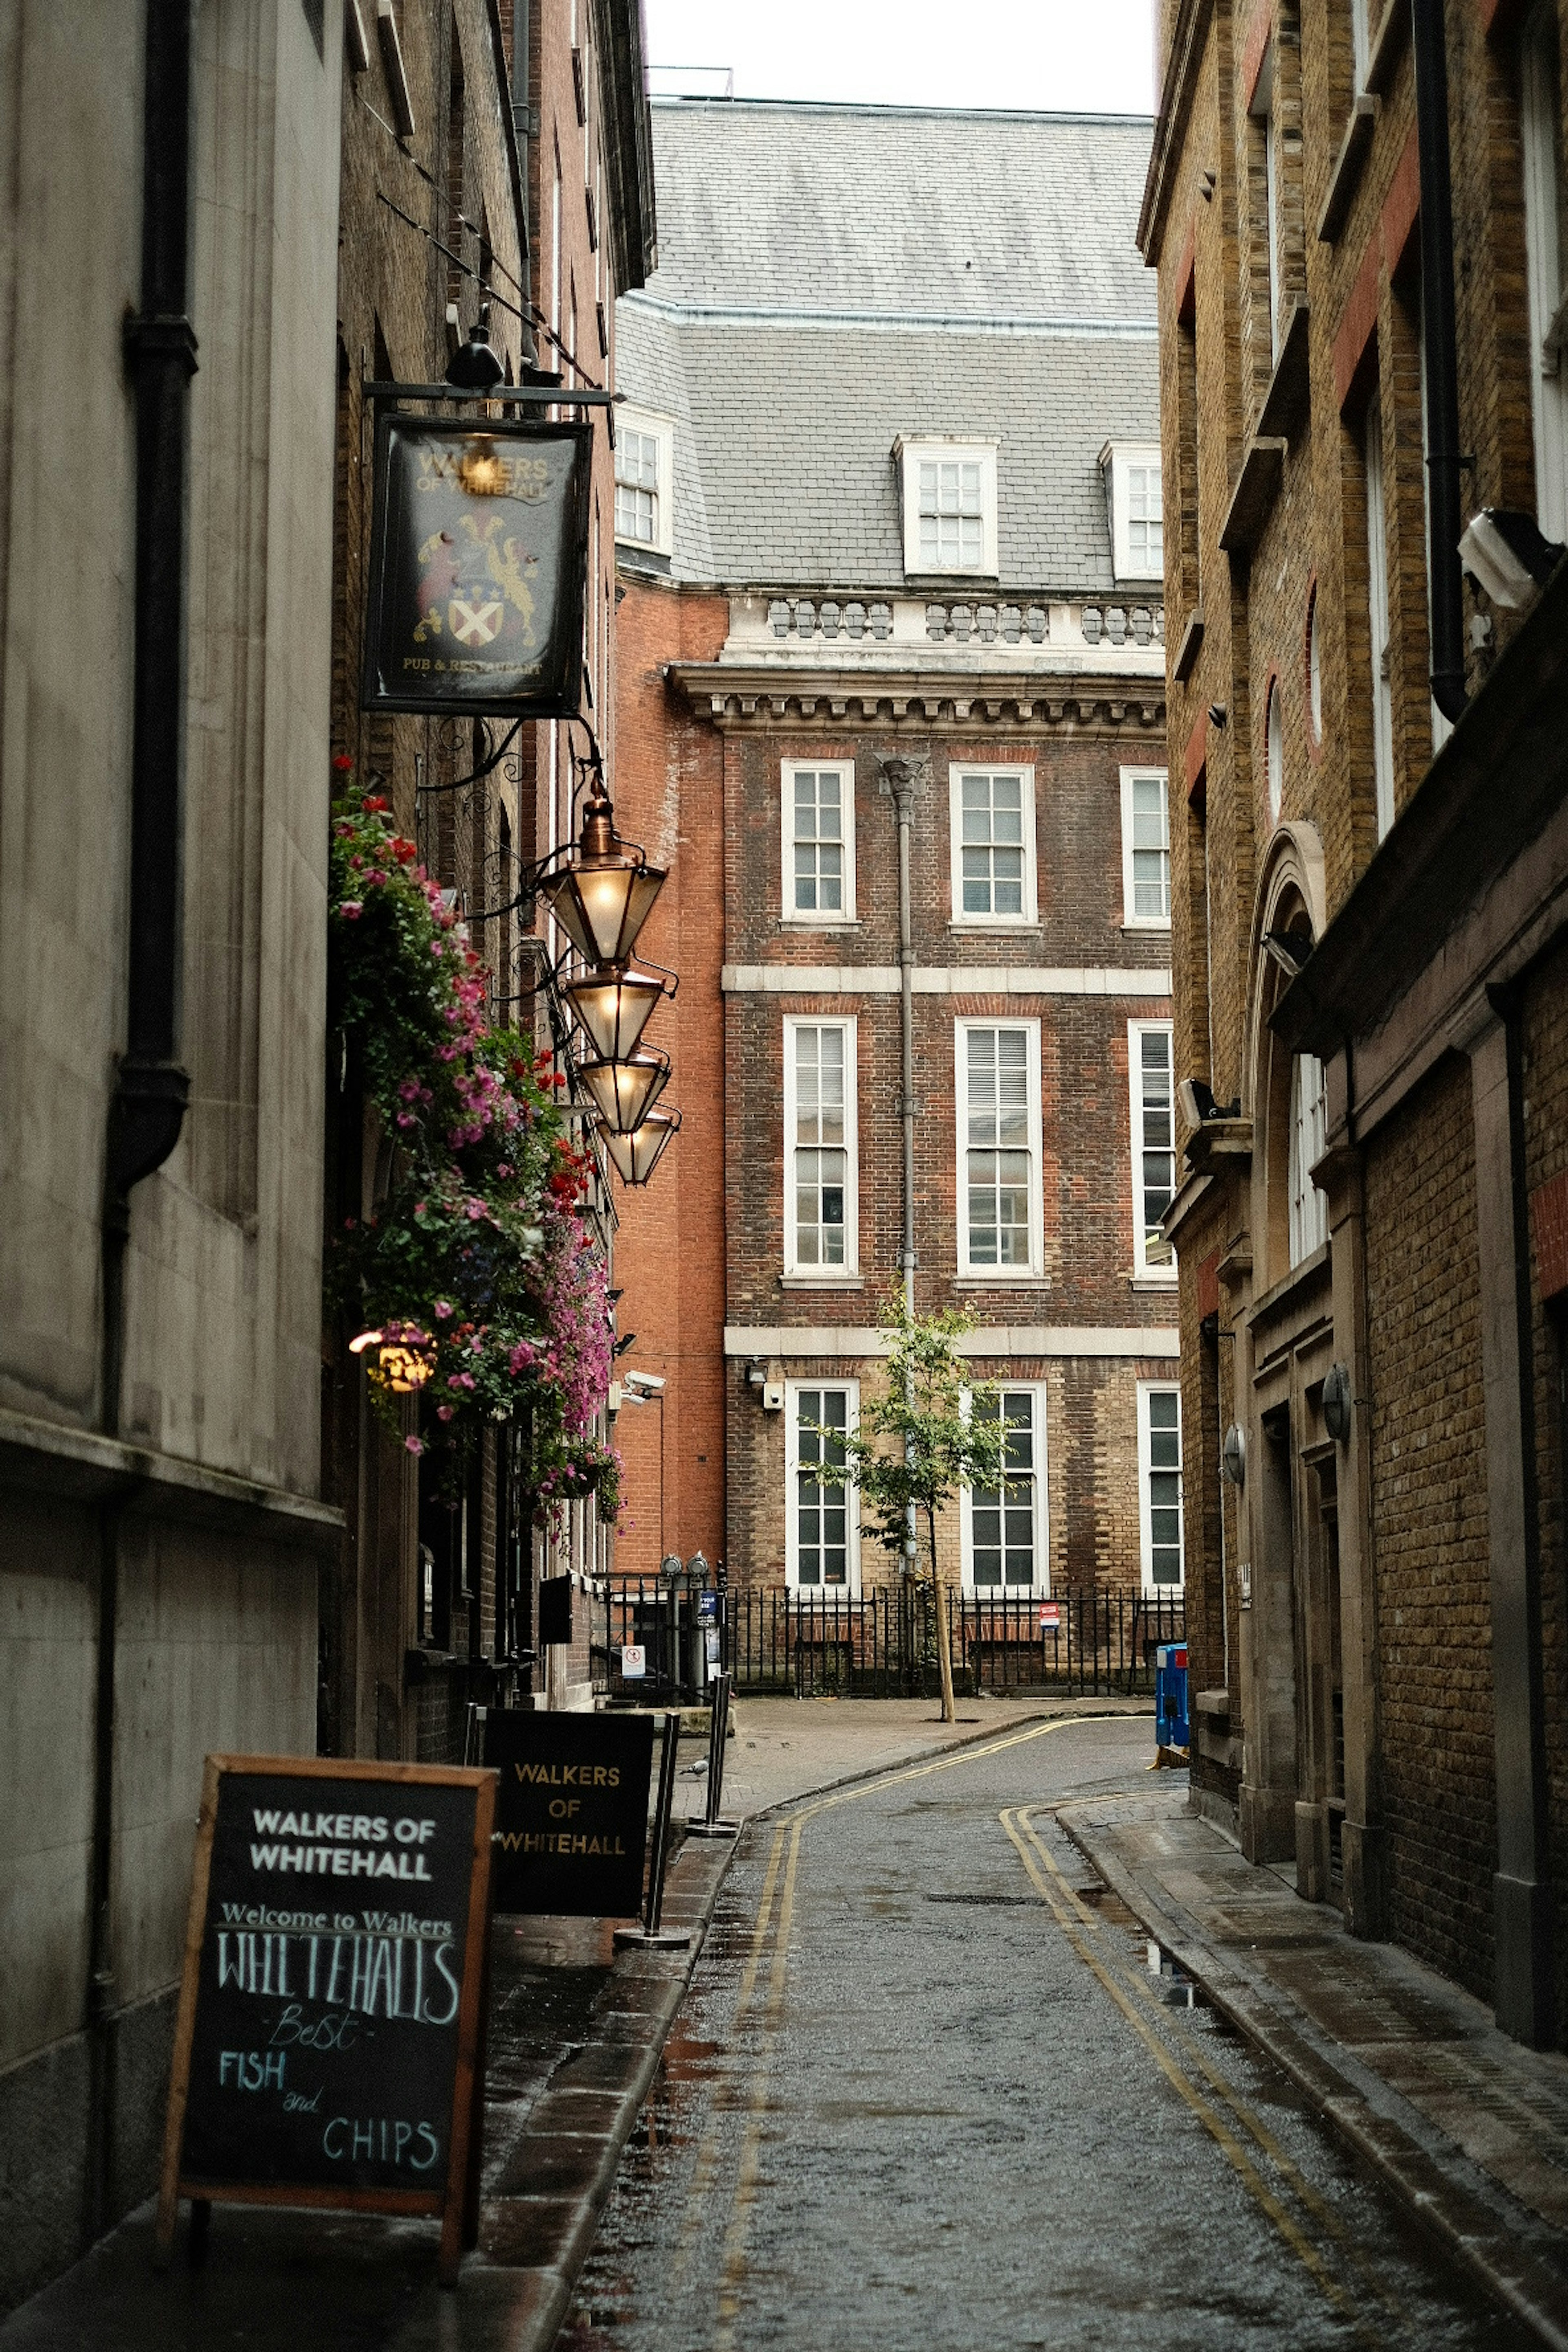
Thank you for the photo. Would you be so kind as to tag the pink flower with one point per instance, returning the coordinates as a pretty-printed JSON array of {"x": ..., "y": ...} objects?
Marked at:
[
  {"x": 405, "y": 1119},
  {"x": 476, "y": 1209},
  {"x": 443, "y": 1306},
  {"x": 352, "y": 909},
  {"x": 445, "y": 1411},
  {"x": 414, "y": 1445}
]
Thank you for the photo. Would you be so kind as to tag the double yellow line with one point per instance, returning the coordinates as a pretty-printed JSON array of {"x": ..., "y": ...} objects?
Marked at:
[{"x": 1127, "y": 1988}]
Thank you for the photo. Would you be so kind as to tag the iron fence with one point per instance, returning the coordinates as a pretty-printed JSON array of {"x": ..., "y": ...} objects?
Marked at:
[{"x": 883, "y": 1645}]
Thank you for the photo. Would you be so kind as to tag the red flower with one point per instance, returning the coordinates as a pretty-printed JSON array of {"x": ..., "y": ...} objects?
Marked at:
[
  {"x": 374, "y": 804},
  {"x": 343, "y": 761}
]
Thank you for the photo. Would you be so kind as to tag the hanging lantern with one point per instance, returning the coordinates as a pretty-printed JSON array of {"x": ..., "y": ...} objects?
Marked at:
[
  {"x": 601, "y": 894},
  {"x": 624, "y": 1092},
  {"x": 400, "y": 1361},
  {"x": 613, "y": 1007},
  {"x": 637, "y": 1155}
]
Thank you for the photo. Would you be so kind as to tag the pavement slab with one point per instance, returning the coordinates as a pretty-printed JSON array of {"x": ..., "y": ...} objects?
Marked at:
[{"x": 1466, "y": 2127}]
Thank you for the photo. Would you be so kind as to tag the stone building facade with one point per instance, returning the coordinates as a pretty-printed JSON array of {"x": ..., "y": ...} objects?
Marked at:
[
  {"x": 885, "y": 529},
  {"x": 1355, "y": 215},
  {"x": 163, "y": 789},
  {"x": 491, "y": 158}
]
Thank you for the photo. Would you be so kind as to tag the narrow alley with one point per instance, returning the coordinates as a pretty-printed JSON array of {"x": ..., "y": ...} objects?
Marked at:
[{"x": 932, "y": 2083}]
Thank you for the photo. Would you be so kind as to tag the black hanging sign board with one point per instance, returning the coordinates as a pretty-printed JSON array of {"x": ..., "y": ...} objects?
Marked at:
[
  {"x": 571, "y": 1810},
  {"x": 327, "y": 2049},
  {"x": 478, "y": 563}
]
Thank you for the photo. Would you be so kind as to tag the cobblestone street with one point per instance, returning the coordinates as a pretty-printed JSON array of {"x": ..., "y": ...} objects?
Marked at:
[{"x": 932, "y": 2081}]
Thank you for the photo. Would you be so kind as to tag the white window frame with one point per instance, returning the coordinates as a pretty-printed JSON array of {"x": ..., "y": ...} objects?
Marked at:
[
  {"x": 1308, "y": 1208},
  {"x": 1377, "y": 614},
  {"x": 957, "y": 771},
  {"x": 943, "y": 449},
  {"x": 1262, "y": 111},
  {"x": 1132, "y": 920},
  {"x": 1541, "y": 137},
  {"x": 1149, "y": 1269},
  {"x": 1274, "y": 750},
  {"x": 1040, "y": 1588},
  {"x": 662, "y": 430},
  {"x": 817, "y": 918},
  {"x": 999, "y": 1274},
  {"x": 1152, "y": 1592},
  {"x": 849, "y": 1024},
  {"x": 1361, "y": 42},
  {"x": 851, "y": 1589},
  {"x": 1115, "y": 460}
]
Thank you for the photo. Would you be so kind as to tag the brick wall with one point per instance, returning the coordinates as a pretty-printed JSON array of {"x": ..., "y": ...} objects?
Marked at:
[
  {"x": 669, "y": 1253},
  {"x": 1429, "y": 1529},
  {"x": 1544, "y": 1027}
]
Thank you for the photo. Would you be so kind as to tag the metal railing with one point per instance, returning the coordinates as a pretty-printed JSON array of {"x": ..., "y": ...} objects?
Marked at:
[{"x": 882, "y": 1644}]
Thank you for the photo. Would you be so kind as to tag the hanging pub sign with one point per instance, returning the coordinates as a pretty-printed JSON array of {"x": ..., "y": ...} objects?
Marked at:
[
  {"x": 328, "y": 2045},
  {"x": 571, "y": 1810},
  {"x": 477, "y": 568}
]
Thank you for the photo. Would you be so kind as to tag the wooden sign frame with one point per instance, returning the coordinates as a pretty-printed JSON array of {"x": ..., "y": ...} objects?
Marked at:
[{"x": 456, "y": 2204}]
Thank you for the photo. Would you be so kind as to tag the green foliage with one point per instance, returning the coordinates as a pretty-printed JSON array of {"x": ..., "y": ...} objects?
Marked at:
[{"x": 921, "y": 1439}]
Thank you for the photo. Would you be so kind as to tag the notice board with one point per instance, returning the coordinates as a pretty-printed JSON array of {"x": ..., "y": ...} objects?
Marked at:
[
  {"x": 327, "y": 2049},
  {"x": 571, "y": 1810}
]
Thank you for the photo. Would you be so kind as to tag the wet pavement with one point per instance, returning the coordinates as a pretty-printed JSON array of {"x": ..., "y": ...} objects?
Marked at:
[{"x": 931, "y": 2084}]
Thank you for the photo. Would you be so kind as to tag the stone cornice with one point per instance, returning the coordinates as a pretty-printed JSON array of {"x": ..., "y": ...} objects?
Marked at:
[
  {"x": 1176, "y": 91},
  {"x": 735, "y": 696}
]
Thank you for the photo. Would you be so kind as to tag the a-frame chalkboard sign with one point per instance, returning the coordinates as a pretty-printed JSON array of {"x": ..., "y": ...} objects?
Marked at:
[{"x": 328, "y": 2050}]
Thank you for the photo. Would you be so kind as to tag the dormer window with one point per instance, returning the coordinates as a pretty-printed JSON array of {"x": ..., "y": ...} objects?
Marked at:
[
  {"x": 1134, "y": 498},
  {"x": 644, "y": 467},
  {"x": 950, "y": 507}
]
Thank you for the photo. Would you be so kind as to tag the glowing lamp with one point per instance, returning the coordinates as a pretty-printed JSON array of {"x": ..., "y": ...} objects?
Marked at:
[
  {"x": 613, "y": 1007},
  {"x": 623, "y": 1093},
  {"x": 637, "y": 1155},
  {"x": 601, "y": 894},
  {"x": 401, "y": 1366},
  {"x": 479, "y": 468}
]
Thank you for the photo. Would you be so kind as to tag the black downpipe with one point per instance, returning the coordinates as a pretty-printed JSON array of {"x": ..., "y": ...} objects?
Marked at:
[
  {"x": 148, "y": 1107},
  {"x": 1443, "y": 461}
]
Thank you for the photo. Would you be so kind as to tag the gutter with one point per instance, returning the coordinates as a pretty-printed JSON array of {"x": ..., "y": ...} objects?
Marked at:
[
  {"x": 1442, "y": 459},
  {"x": 148, "y": 1107}
]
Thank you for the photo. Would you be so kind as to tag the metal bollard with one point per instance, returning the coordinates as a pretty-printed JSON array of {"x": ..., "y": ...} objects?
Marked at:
[
  {"x": 718, "y": 1733},
  {"x": 652, "y": 1931}
]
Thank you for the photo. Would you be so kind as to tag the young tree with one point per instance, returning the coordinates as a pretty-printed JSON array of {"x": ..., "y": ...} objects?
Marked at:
[{"x": 933, "y": 1430}]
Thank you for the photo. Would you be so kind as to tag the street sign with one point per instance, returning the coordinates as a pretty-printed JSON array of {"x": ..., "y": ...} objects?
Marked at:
[
  {"x": 571, "y": 1810},
  {"x": 707, "y": 1609},
  {"x": 325, "y": 2048},
  {"x": 634, "y": 1662},
  {"x": 1050, "y": 1617},
  {"x": 478, "y": 567}
]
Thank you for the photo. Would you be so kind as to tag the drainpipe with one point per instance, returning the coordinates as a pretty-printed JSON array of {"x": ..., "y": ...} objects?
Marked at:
[
  {"x": 900, "y": 779},
  {"x": 1443, "y": 460},
  {"x": 148, "y": 1106}
]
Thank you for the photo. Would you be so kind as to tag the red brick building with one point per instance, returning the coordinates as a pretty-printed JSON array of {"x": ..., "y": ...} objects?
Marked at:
[{"x": 887, "y": 532}]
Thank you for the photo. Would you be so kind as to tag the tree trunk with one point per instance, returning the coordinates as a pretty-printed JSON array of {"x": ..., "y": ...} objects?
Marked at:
[{"x": 943, "y": 1647}]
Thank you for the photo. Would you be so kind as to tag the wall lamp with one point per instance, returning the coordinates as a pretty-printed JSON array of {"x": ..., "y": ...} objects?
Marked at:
[
  {"x": 637, "y": 1155},
  {"x": 602, "y": 892},
  {"x": 1195, "y": 1098},
  {"x": 1219, "y": 715},
  {"x": 624, "y": 1093},
  {"x": 1506, "y": 555},
  {"x": 1289, "y": 949}
]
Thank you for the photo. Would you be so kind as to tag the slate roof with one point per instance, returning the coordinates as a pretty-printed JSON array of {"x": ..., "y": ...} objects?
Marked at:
[{"x": 830, "y": 276}]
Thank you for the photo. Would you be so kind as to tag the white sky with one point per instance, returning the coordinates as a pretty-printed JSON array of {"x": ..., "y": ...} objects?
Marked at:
[{"x": 1074, "y": 56}]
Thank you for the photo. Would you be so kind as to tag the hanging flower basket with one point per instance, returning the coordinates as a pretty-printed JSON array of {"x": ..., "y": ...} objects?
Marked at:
[{"x": 473, "y": 1287}]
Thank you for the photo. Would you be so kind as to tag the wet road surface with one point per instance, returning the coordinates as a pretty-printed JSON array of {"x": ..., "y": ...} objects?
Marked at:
[{"x": 932, "y": 2087}]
